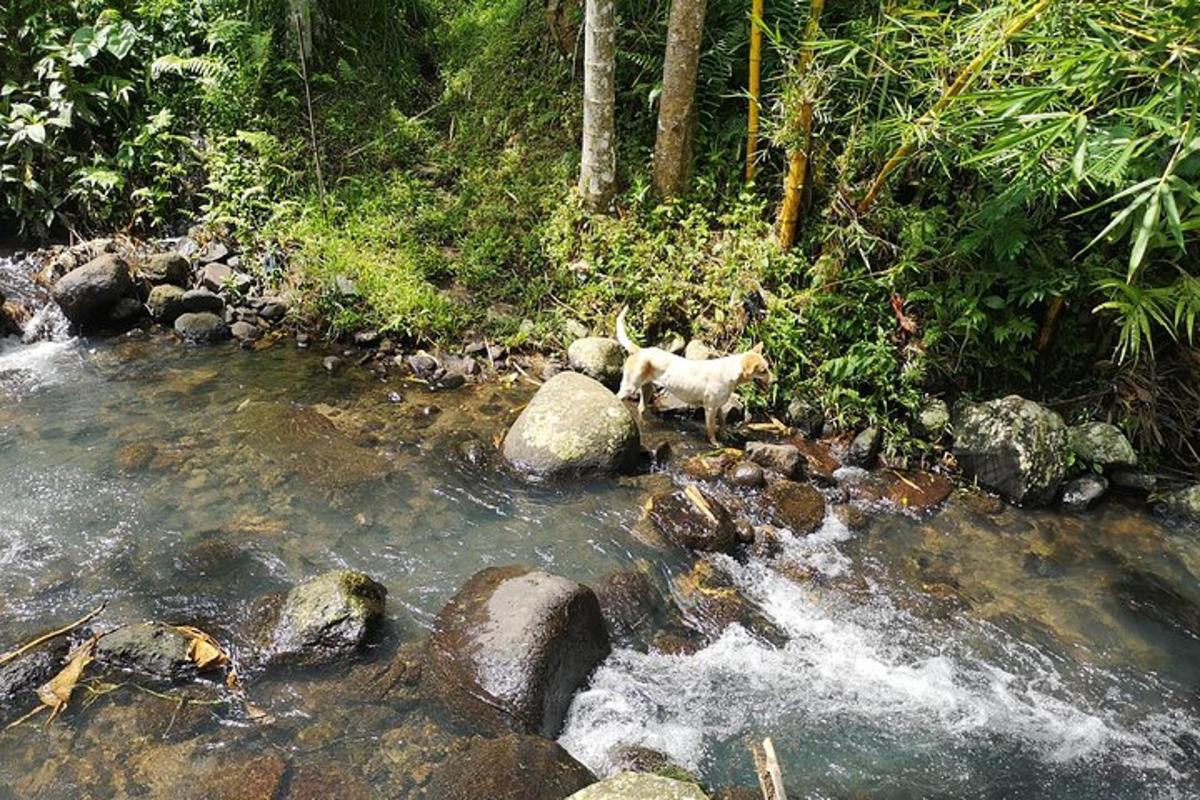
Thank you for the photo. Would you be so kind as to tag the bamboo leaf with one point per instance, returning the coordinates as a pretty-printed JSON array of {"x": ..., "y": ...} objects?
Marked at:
[{"x": 1144, "y": 231}]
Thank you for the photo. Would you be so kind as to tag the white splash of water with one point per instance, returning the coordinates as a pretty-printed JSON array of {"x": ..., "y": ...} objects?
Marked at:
[{"x": 870, "y": 667}]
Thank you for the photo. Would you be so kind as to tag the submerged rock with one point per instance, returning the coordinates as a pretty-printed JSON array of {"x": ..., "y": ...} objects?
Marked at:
[
  {"x": 1183, "y": 502},
  {"x": 786, "y": 459},
  {"x": 165, "y": 268},
  {"x": 148, "y": 648},
  {"x": 328, "y": 617},
  {"x": 203, "y": 327},
  {"x": 573, "y": 424},
  {"x": 598, "y": 357},
  {"x": 1080, "y": 493},
  {"x": 1012, "y": 446},
  {"x": 694, "y": 520},
  {"x": 631, "y": 604},
  {"x": 513, "y": 645},
  {"x": 1154, "y": 597},
  {"x": 513, "y": 767},
  {"x": 1101, "y": 444},
  {"x": 86, "y": 295},
  {"x": 640, "y": 786},
  {"x": 795, "y": 506}
]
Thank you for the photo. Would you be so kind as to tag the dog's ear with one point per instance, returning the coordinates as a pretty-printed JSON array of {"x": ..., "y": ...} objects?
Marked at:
[{"x": 757, "y": 348}]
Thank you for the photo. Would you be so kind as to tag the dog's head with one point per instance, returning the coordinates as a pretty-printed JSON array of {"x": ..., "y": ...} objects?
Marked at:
[{"x": 755, "y": 368}]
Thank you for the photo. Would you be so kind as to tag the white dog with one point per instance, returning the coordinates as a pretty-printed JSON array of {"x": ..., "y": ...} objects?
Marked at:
[{"x": 708, "y": 383}]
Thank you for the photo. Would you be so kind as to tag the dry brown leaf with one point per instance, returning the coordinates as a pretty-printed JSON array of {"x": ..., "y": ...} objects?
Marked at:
[
  {"x": 56, "y": 692},
  {"x": 206, "y": 653}
]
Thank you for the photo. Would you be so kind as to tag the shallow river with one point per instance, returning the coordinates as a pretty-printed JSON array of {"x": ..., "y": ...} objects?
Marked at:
[{"x": 970, "y": 652}]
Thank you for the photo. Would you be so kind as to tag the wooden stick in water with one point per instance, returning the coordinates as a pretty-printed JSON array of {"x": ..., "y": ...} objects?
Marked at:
[{"x": 770, "y": 777}]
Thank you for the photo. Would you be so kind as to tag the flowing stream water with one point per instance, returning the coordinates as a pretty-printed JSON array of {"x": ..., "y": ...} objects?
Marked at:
[{"x": 966, "y": 652}]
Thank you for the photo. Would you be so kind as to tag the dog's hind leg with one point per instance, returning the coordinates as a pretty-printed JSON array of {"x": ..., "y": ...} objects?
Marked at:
[{"x": 645, "y": 397}]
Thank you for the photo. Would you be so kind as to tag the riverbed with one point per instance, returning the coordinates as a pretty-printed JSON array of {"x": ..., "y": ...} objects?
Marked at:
[{"x": 971, "y": 651}]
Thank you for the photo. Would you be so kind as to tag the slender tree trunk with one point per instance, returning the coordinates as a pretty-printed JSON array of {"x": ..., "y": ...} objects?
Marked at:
[
  {"x": 755, "y": 87},
  {"x": 793, "y": 188},
  {"x": 677, "y": 104},
  {"x": 598, "y": 170}
]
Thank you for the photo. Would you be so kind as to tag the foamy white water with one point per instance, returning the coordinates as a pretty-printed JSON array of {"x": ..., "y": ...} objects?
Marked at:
[{"x": 872, "y": 671}]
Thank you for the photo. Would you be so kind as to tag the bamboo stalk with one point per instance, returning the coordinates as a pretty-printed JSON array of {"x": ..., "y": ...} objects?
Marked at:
[
  {"x": 312, "y": 125},
  {"x": 964, "y": 79},
  {"x": 793, "y": 195},
  {"x": 1047, "y": 331},
  {"x": 756, "y": 12}
]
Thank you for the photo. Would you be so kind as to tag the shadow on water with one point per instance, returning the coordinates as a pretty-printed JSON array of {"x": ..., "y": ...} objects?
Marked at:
[{"x": 966, "y": 653}]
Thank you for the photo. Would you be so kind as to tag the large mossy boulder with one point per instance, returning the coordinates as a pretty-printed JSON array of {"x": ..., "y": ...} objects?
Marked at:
[
  {"x": 1012, "y": 446},
  {"x": 572, "y": 425},
  {"x": 598, "y": 357},
  {"x": 513, "y": 645},
  {"x": 165, "y": 303},
  {"x": 202, "y": 328},
  {"x": 328, "y": 617},
  {"x": 1101, "y": 444},
  {"x": 512, "y": 767},
  {"x": 640, "y": 786},
  {"x": 151, "y": 649},
  {"x": 86, "y": 295}
]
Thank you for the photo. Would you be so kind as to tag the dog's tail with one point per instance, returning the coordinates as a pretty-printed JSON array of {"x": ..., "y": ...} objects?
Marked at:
[{"x": 623, "y": 335}]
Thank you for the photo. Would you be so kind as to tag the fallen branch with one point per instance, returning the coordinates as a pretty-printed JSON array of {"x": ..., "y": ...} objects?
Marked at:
[
  {"x": 770, "y": 778},
  {"x": 54, "y": 634}
]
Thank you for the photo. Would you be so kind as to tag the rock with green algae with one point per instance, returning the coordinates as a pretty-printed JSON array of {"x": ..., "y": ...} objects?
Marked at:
[
  {"x": 512, "y": 767},
  {"x": 572, "y": 425},
  {"x": 640, "y": 786},
  {"x": 1102, "y": 444},
  {"x": 1183, "y": 502},
  {"x": 1012, "y": 446},
  {"x": 328, "y": 617}
]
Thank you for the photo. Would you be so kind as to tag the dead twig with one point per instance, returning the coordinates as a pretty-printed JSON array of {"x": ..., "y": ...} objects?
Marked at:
[
  {"x": 770, "y": 778},
  {"x": 54, "y": 634}
]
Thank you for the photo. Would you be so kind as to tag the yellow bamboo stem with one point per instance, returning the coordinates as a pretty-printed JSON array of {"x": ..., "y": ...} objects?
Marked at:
[
  {"x": 793, "y": 188},
  {"x": 756, "y": 12},
  {"x": 964, "y": 79}
]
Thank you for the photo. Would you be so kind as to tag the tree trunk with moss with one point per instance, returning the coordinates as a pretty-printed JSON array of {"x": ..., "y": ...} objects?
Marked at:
[
  {"x": 598, "y": 168},
  {"x": 677, "y": 104}
]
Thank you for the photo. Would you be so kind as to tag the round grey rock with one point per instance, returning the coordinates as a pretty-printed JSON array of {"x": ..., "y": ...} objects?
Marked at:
[
  {"x": 598, "y": 357},
  {"x": 148, "y": 648},
  {"x": 572, "y": 425},
  {"x": 933, "y": 420},
  {"x": 202, "y": 327},
  {"x": 198, "y": 300},
  {"x": 1081, "y": 493},
  {"x": 166, "y": 268},
  {"x": 1183, "y": 502},
  {"x": 87, "y": 294},
  {"x": 165, "y": 303},
  {"x": 640, "y": 786}
]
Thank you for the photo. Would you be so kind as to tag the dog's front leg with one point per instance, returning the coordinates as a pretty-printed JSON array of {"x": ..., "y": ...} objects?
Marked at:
[
  {"x": 710, "y": 425},
  {"x": 645, "y": 396}
]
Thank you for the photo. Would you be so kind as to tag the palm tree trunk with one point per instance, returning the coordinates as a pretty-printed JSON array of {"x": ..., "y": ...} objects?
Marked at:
[
  {"x": 598, "y": 167},
  {"x": 677, "y": 104}
]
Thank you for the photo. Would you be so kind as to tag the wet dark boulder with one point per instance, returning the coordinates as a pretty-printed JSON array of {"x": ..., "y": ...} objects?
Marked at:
[
  {"x": 692, "y": 519},
  {"x": 328, "y": 617},
  {"x": 151, "y": 649},
  {"x": 1012, "y": 446},
  {"x": 202, "y": 328},
  {"x": 572, "y": 425},
  {"x": 165, "y": 303},
  {"x": 166, "y": 268},
  {"x": 786, "y": 459},
  {"x": 796, "y": 506},
  {"x": 86, "y": 295},
  {"x": 633, "y": 607},
  {"x": 19, "y": 679},
  {"x": 746, "y": 474},
  {"x": 513, "y": 645},
  {"x": 512, "y": 767},
  {"x": 640, "y": 786},
  {"x": 631, "y": 758}
]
